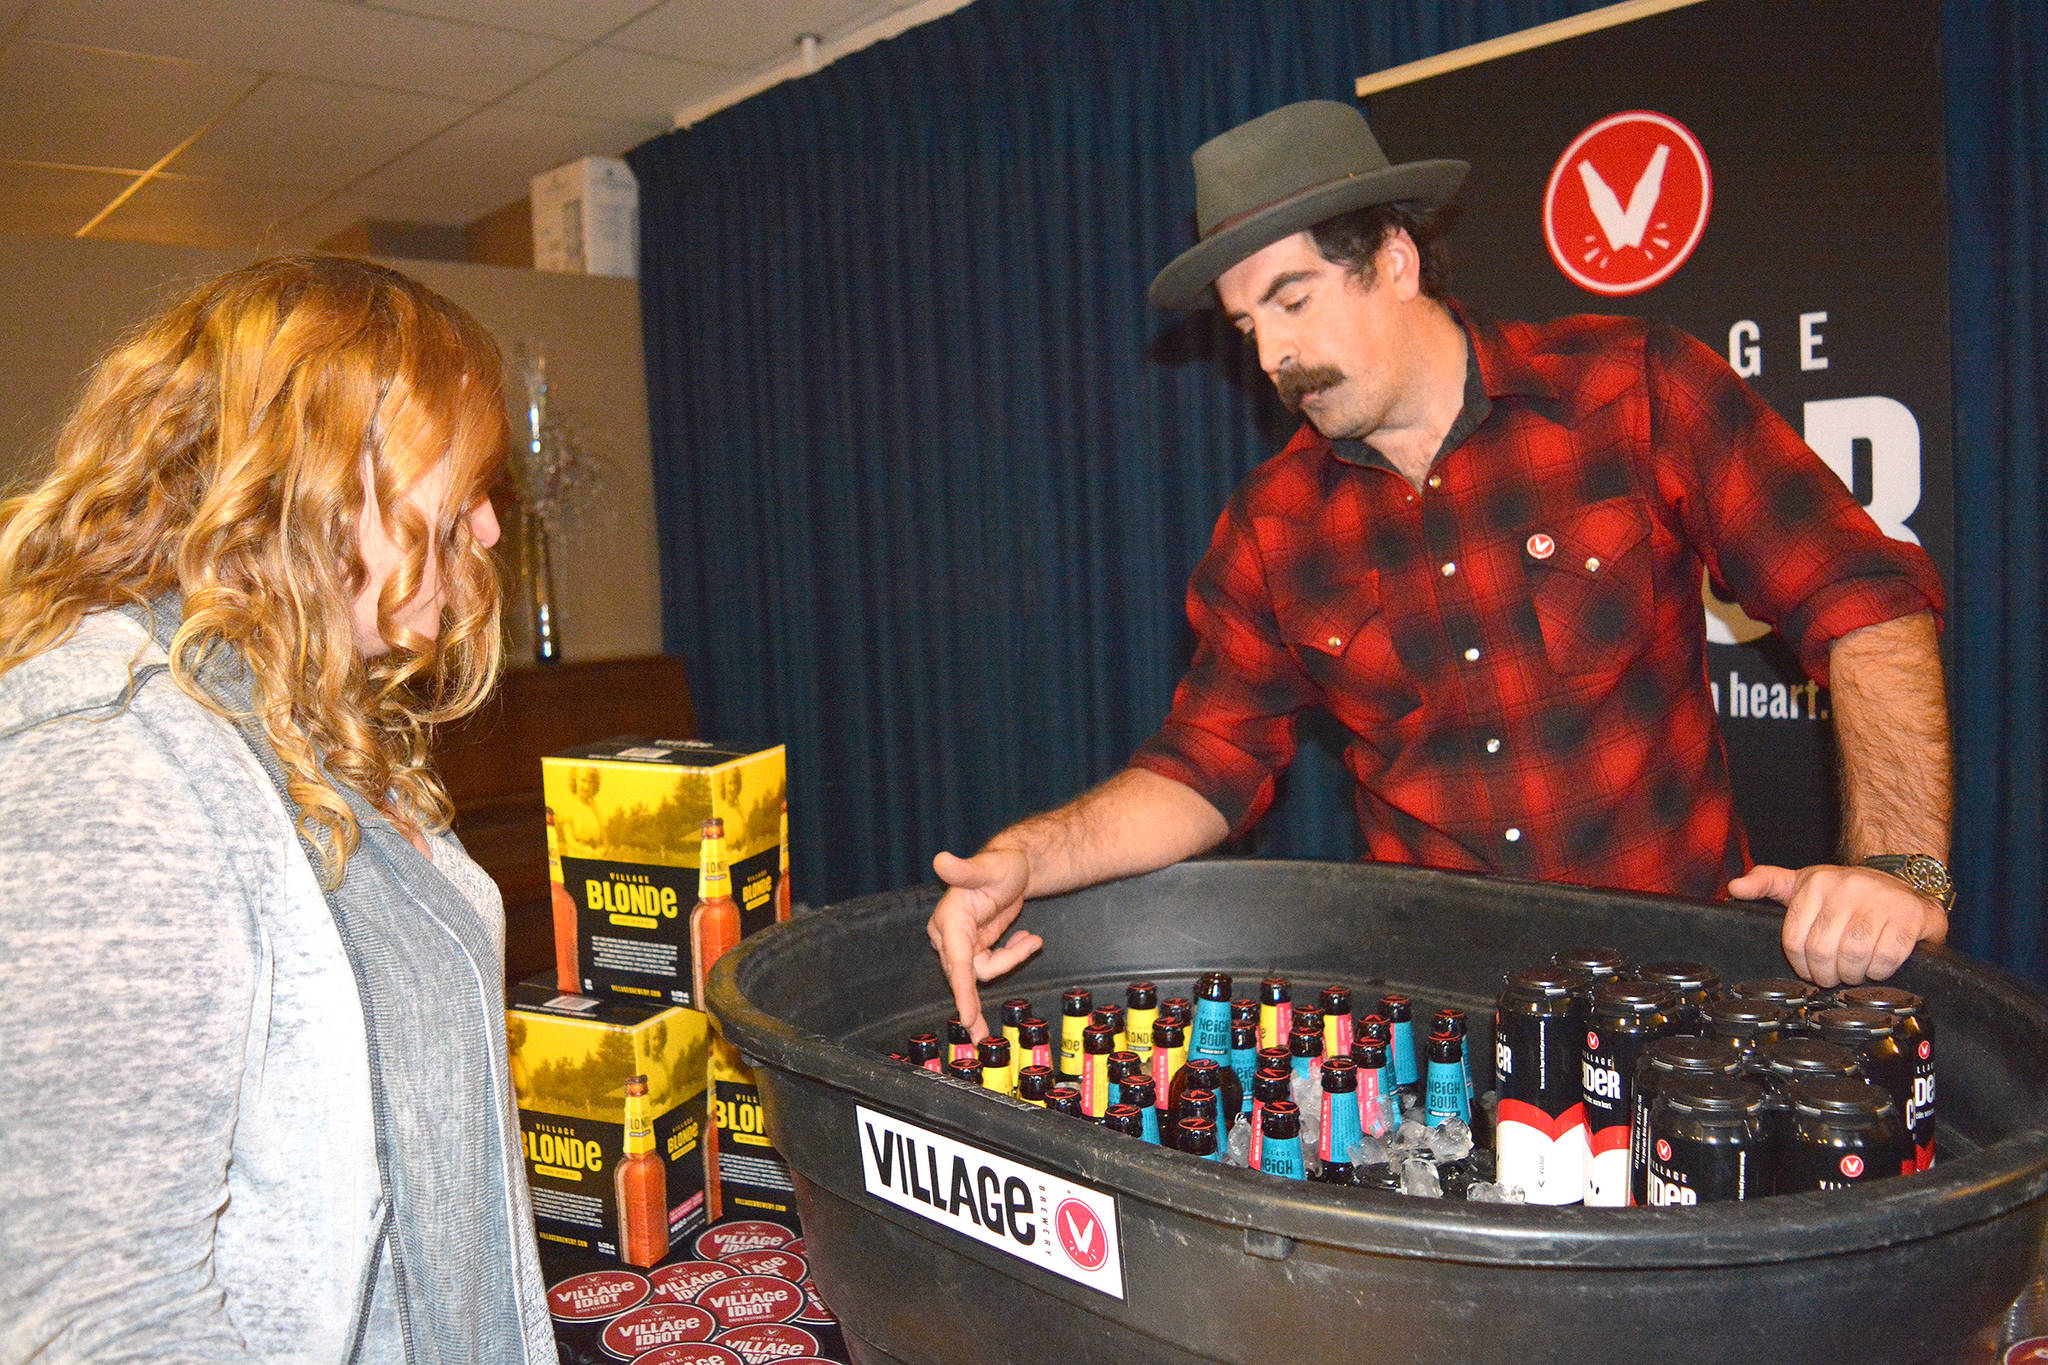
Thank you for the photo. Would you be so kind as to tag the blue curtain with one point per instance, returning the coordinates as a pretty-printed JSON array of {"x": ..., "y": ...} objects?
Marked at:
[
  {"x": 1996, "y": 60},
  {"x": 931, "y": 477}
]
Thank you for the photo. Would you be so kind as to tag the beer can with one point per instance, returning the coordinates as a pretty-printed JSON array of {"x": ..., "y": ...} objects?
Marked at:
[
  {"x": 1276, "y": 1011},
  {"x": 1662, "y": 1061},
  {"x": 1335, "y": 1003},
  {"x": 1797, "y": 998},
  {"x": 1915, "y": 1035},
  {"x": 1872, "y": 1035},
  {"x": 1398, "y": 1011},
  {"x": 1781, "y": 1064},
  {"x": 1695, "y": 983},
  {"x": 1076, "y": 1004},
  {"x": 1706, "y": 1141},
  {"x": 1745, "y": 1025},
  {"x": 1540, "y": 1122},
  {"x": 1842, "y": 1132},
  {"x": 1593, "y": 966},
  {"x": 1278, "y": 1141},
  {"x": 1626, "y": 1016}
]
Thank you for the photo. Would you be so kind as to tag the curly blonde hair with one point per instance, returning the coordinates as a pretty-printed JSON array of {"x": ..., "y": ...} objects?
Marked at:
[{"x": 227, "y": 450}]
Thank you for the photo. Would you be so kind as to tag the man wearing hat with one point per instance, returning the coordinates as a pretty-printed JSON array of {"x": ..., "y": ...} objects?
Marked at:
[{"x": 1482, "y": 553}]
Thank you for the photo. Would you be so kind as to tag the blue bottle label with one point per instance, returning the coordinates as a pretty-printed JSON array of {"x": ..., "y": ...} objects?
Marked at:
[
  {"x": 1444, "y": 1096},
  {"x": 1212, "y": 1031},
  {"x": 1406, "y": 1072},
  {"x": 1282, "y": 1156}
]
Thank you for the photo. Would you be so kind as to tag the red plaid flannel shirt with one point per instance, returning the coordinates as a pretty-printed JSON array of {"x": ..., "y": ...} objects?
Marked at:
[{"x": 1519, "y": 647}]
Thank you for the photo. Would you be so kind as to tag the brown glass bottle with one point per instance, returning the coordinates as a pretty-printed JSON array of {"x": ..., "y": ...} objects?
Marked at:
[
  {"x": 640, "y": 1182},
  {"x": 714, "y": 930},
  {"x": 568, "y": 974}
]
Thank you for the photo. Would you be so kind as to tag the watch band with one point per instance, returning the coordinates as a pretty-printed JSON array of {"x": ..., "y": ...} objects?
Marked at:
[{"x": 1921, "y": 871}]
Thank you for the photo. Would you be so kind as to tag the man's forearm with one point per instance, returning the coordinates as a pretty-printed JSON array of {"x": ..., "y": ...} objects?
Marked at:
[
  {"x": 1135, "y": 822},
  {"x": 1891, "y": 721}
]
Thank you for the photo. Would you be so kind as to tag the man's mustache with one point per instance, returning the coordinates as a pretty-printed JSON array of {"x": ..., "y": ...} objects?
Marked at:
[{"x": 1294, "y": 381}]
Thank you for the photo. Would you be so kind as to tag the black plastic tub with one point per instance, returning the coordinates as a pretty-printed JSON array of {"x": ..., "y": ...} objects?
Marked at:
[{"x": 1225, "y": 1264}]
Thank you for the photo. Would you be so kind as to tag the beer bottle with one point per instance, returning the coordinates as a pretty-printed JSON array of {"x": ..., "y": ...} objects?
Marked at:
[
  {"x": 1211, "y": 1036},
  {"x": 640, "y": 1182},
  {"x": 715, "y": 920},
  {"x": 1034, "y": 1043},
  {"x": 1013, "y": 1013},
  {"x": 782, "y": 899},
  {"x": 1396, "y": 1010},
  {"x": 1064, "y": 1099},
  {"x": 1141, "y": 1011},
  {"x": 1097, "y": 1042},
  {"x": 994, "y": 1056},
  {"x": 1114, "y": 1016},
  {"x": 1126, "y": 1119},
  {"x": 1076, "y": 1003},
  {"x": 1379, "y": 1099},
  {"x": 1244, "y": 1058},
  {"x": 966, "y": 1069},
  {"x": 1198, "y": 1138},
  {"x": 1443, "y": 1092},
  {"x": 1203, "y": 1073},
  {"x": 1138, "y": 1092},
  {"x": 1340, "y": 1118},
  {"x": 1179, "y": 1009},
  {"x": 1453, "y": 1022},
  {"x": 959, "y": 1040},
  {"x": 1270, "y": 1084},
  {"x": 568, "y": 975},
  {"x": 1335, "y": 1002},
  {"x": 1278, "y": 1141},
  {"x": 1124, "y": 1064},
  {"x": 1033, "y": 1082},
  {"x": 1305, "y": 1050},
  {"x": 714, "y": 930},
  {"x": 1245, "y": 1010},
  {"x": 924, "y": 1051},
  {"x": 1276, "y": 1011},
  {"x": 1169, "y": 1055}
]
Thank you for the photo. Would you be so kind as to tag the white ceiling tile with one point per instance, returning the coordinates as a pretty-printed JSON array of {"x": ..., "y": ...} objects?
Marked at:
[
  {"x": 622, "y": 87},
  {"x": 487, "y": 160},
  {"x": 306, "y": 132},
  {"x": 208, "y": 213},
  {"x": 44, "y": 202},
  {"x": 580, "y": 21},
  {"x": 339, "y": 42},
  {"x": 105, "y": 108},
  {"x": 739, "y": 34}
]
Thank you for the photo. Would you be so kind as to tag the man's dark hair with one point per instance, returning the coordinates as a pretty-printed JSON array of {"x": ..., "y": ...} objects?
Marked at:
[{"x": 1353, "y": 239}]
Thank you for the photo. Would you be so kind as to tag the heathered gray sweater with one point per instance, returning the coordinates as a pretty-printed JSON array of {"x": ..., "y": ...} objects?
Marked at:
[{"x": 187, "y": 1168}]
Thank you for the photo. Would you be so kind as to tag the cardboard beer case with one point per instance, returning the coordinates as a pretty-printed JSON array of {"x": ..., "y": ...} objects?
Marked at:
[
  {"x": 624, "y": 837},
  {"x": 571, "y": 1057},
  {"x": 753, "y": 1179}
]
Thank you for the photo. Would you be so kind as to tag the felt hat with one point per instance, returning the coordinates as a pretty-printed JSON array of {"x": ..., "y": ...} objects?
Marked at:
[{"x": 1283, "y": 173}]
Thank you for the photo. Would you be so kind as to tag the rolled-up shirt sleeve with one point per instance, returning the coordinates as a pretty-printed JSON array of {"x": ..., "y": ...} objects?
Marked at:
[
  {"x": 1231, "y": 730},
  {"x": 1780, "y": 533}
]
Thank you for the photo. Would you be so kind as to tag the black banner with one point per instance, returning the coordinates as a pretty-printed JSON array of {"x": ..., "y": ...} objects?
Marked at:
[{"x": 1768, "y": 177}]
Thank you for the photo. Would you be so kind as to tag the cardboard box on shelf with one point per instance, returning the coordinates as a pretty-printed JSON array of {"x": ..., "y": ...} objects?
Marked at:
[
  {"x": 572, "y": 1059},
  {"x": 586, "y": 218},
  {"x": 625, "y": 849}
]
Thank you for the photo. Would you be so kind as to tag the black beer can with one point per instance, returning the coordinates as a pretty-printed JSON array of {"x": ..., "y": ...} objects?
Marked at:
[
  {"x": 1625, "y": 1018},
  {"x": 1707, "y": 1142},
  {"x": 1695, "y": 983},
  {"x": 1841, "y": 1133},
  {"x": 1745, "y": 1025},
  {"x": 1797, "y": 998},
  {"x": 1784, "y": 1063},
  {"x": 1540, "y": 1122},
  {"x": 1915, "y": 1034},
  {"x": 1662, "y": 1062},
  {"x": 1872, "y": 1035}
]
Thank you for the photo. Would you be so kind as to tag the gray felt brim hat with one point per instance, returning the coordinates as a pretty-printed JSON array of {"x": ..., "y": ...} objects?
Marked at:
[{"x": 1283, "y": 173}]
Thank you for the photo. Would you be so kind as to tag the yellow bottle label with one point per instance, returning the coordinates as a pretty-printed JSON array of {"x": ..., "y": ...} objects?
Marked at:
[
  {"x": 639, "y": 1127},
  {"x": 1138, "y": 1031},
  {"x": 714, "y": 879},
  {"x": 1071, "y": 1026}
]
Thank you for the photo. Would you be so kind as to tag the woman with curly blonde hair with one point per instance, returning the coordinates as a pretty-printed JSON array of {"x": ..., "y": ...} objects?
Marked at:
[{"x": 254, "y": 1103}]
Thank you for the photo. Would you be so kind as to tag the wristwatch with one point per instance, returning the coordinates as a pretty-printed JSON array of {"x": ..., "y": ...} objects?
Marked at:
[{"x": 1920, "y": 871}]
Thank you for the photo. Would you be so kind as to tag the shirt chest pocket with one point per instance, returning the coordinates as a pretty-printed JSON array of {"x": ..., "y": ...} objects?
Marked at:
[
  {"x": 1591, "y": 583},
  {"x": 1343, "y": 642}
]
